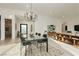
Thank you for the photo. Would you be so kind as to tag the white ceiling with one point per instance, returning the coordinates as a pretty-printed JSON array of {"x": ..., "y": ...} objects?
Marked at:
[{"x": 58, "y": 10}]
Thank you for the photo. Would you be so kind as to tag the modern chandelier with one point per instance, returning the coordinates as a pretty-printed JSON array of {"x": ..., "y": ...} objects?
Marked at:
[{"x": 30, "y": 15}]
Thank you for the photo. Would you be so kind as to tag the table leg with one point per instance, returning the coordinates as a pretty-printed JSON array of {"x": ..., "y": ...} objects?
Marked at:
[
  {"x": 47, "y": 46},
  {"x": 74, "y": 42},
  {"x": 62, "y": 39}
]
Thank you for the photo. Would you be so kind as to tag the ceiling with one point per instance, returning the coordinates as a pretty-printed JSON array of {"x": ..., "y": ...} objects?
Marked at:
[{"x": 57, "y": 10}]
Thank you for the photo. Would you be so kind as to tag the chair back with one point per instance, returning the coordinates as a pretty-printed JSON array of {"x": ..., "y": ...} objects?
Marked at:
[
  {"x": 45, "y": 35},
  {"x": 39, "y": 34}
]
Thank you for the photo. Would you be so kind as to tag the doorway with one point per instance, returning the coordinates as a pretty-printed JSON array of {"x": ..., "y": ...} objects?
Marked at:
[
  {"x": 8, "y": 28},
  {"x": 24, "y": 30}
]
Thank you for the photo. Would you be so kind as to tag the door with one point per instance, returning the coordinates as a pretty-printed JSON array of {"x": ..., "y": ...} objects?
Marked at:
[
  {"x": 8, "y": 28},
  {"x": 24, "y": 30}
]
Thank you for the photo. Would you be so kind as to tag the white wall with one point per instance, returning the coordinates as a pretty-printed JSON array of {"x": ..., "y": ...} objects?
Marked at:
[
  {"x": 2, "y": 27},
  {"x": 43, "y": 21},
  {"x": 7, "y": 13},
  {"x": 70, "y": 23},
  {"x": 13, "y": 27},
  {"x": 40, "y": 25}
]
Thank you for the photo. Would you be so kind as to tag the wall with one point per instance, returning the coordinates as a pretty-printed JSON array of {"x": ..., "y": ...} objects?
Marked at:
[
  {"x": 39, "y": 26},
  {"x": 71, "y": 23},
  {"x": 43, "y": 21},
  {"x": 8, "y": 13},
  {"x": 2, "y": 27}
]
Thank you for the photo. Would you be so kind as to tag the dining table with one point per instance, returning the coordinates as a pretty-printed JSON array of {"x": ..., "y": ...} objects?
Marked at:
[{"x": 36, "y": 39}]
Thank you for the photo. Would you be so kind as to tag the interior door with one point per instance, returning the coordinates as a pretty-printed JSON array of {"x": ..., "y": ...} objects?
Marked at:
[
  {"x": 8, "y": 28},
  {"x": 24, "y": 30}
]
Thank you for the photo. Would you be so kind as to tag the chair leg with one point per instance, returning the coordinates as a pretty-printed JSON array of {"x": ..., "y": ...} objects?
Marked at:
[
  {"x": 40, "y": 47},
  {"x": 25, "y": 50},
  {"x": 37, "y": 45},
  {"x": 44, "y": 47},
  {"x": 30, "y": 49}
]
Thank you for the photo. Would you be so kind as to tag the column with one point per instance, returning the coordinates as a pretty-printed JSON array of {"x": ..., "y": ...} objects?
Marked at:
[
  {"x": 2, "y": 27},
  {"x": 13, "y": 27}
]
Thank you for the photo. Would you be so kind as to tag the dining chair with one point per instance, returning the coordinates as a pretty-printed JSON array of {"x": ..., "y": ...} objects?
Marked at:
[
  {"x": 27, "y": 44},
  {"x": 42, "y": 41}
]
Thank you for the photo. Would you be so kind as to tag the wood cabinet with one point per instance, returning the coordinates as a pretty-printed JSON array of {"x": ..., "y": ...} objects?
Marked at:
[{"x": 64, "y": 37}]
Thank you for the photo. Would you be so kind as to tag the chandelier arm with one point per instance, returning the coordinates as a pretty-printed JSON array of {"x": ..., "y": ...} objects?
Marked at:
[{"x": 30, "y": 16}]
